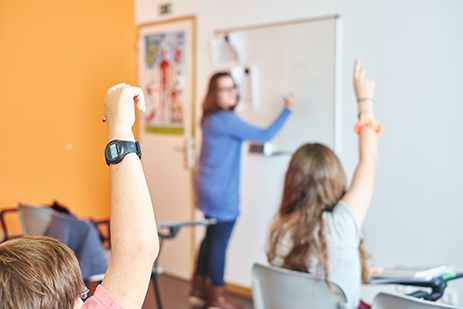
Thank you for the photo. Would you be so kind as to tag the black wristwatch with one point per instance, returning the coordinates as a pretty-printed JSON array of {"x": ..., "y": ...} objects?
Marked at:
[{"x": 116, "y": 150}]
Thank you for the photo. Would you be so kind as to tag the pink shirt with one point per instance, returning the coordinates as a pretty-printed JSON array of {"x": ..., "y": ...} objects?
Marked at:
[{"x": 101, "y": 299}]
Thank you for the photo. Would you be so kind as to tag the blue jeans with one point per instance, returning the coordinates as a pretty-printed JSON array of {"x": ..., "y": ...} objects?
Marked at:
[{"x": 211, "y": 256}]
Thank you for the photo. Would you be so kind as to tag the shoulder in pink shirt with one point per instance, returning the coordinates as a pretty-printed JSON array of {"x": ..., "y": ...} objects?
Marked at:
[{"x": 101, "y": 299}]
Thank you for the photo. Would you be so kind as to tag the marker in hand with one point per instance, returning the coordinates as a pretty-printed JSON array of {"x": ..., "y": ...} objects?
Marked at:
[{"x": 290, "y": 100}]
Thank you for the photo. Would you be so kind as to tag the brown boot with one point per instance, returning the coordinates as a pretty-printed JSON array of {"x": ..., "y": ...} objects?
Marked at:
[
  {"x": 219, "y": 299},
  {"x": 198, "y": 291}
]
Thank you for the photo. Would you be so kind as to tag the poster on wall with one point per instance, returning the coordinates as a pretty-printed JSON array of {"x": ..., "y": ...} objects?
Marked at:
[{"x": 165, "y": 53}]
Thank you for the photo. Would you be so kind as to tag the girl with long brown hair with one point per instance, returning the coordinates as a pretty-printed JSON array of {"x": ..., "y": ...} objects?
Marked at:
[
  {"x": 318, "y": 226},
  {"x": 217, "y": 183}
]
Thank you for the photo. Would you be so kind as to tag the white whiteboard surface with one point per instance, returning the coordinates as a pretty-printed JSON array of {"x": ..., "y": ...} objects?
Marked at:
[{"x": 297, "y": 57}]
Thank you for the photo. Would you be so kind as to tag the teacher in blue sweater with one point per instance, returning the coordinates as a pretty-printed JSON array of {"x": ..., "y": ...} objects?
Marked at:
[{"x": 217, "y": 183}]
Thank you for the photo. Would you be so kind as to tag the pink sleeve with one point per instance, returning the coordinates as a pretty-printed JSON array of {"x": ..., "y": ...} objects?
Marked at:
[{"x": 101, "y": 299}]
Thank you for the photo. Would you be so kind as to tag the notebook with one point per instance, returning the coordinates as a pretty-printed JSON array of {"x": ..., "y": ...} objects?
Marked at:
[{"x": 415, "y": 272}]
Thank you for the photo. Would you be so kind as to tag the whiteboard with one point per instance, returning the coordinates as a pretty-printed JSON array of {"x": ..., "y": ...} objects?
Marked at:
[{"x": 298, "y": 57}]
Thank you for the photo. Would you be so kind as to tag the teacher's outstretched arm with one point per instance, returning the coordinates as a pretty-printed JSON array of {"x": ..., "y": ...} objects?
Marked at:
[{"x": 235, "y": 126}]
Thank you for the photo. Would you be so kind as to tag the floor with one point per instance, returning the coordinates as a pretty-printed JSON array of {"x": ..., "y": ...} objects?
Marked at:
[{"x": 174, "y": 294}]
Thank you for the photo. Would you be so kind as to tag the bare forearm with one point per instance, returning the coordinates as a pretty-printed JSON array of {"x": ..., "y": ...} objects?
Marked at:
[
  {"x": 133, "y": 228},
  {"x": 368, "y": 153},
  {"x": 368, "y": 145},
  {"x": 132, "y": 217}
]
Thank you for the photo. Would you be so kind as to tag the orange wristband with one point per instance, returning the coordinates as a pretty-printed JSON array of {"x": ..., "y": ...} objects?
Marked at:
[{"x": 365, "y": 121}]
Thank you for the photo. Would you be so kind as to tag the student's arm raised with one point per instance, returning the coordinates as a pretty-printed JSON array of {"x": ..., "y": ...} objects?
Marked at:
[
  {"x": 359, "y": 194},
  {"x": 134, "y": 239}
]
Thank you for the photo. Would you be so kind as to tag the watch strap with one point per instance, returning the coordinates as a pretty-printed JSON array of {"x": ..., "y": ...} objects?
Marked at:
[{"x": 131, "y": 147}]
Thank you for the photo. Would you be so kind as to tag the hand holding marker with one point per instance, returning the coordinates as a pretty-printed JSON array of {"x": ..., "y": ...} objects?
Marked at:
[{"x": 290, "y": 100}]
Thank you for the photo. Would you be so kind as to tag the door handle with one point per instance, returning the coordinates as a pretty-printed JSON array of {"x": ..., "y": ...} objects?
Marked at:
[{"x": 188, "y": 151}]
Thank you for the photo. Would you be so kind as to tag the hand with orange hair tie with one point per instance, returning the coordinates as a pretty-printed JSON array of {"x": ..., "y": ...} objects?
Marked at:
[{"x": 364, "y": 87}]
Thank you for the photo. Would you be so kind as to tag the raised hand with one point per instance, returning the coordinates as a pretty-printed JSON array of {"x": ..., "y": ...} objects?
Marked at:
[
  {"x": 119, "y": 109},
  {"x": 364, "y": 87}
]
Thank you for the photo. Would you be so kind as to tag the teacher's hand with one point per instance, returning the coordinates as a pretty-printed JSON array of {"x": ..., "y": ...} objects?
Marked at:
[{"x": 290, "y": 101}]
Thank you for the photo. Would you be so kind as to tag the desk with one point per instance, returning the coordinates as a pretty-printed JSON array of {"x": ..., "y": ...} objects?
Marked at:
[
  {"x": 173, "y": 227},
  {"x": 437, "y": 284}
]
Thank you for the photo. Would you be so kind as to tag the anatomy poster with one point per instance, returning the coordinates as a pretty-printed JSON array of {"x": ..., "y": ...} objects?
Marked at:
[{"x": 163, "y": 76}]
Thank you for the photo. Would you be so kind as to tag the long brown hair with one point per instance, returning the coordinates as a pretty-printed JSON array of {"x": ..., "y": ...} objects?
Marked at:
[
  {"x": 315, "y": 182},
  {"x": 210, "y": 103}
]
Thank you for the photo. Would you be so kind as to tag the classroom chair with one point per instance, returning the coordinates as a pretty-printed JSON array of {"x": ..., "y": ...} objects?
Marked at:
[
  {"x": 7, "y": 234},
  {"x": 392, "y": 301},
  {"x": 276, "y": 288},
  {"x": 82, "y": 236},
  {"x": 34, "y": 219}
]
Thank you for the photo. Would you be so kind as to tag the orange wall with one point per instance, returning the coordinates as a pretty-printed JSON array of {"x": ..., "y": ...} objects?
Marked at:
[{"x": 57, "y": 59}]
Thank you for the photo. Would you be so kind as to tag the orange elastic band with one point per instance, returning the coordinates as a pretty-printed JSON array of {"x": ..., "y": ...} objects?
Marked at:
[{"x": 364, "y": 120}]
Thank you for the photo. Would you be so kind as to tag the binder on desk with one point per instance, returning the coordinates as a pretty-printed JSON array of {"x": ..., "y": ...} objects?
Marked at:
[
  {"x": 413, "y": 272},
  {"x": 434, "y": 277}
]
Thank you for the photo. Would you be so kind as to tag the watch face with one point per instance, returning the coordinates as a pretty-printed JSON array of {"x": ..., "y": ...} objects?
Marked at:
[{"x": 113, "y": 151}]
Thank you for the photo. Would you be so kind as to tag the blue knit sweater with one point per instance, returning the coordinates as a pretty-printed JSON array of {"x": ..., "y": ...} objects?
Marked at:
[{"x": 218, "y": 177}]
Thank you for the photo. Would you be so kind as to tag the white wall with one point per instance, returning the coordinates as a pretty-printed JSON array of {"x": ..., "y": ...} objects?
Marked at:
[{"x": 413, "y": 49}]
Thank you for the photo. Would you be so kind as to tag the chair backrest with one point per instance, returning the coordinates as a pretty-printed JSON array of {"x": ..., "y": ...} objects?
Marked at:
[
  {"x": 34, "y": 219},
  {"x": 6, "y": 233},
  {"x": 83, "y": 238},
  {"x": 276, "y": 288},
  {"x": 392, "y": 301}
]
